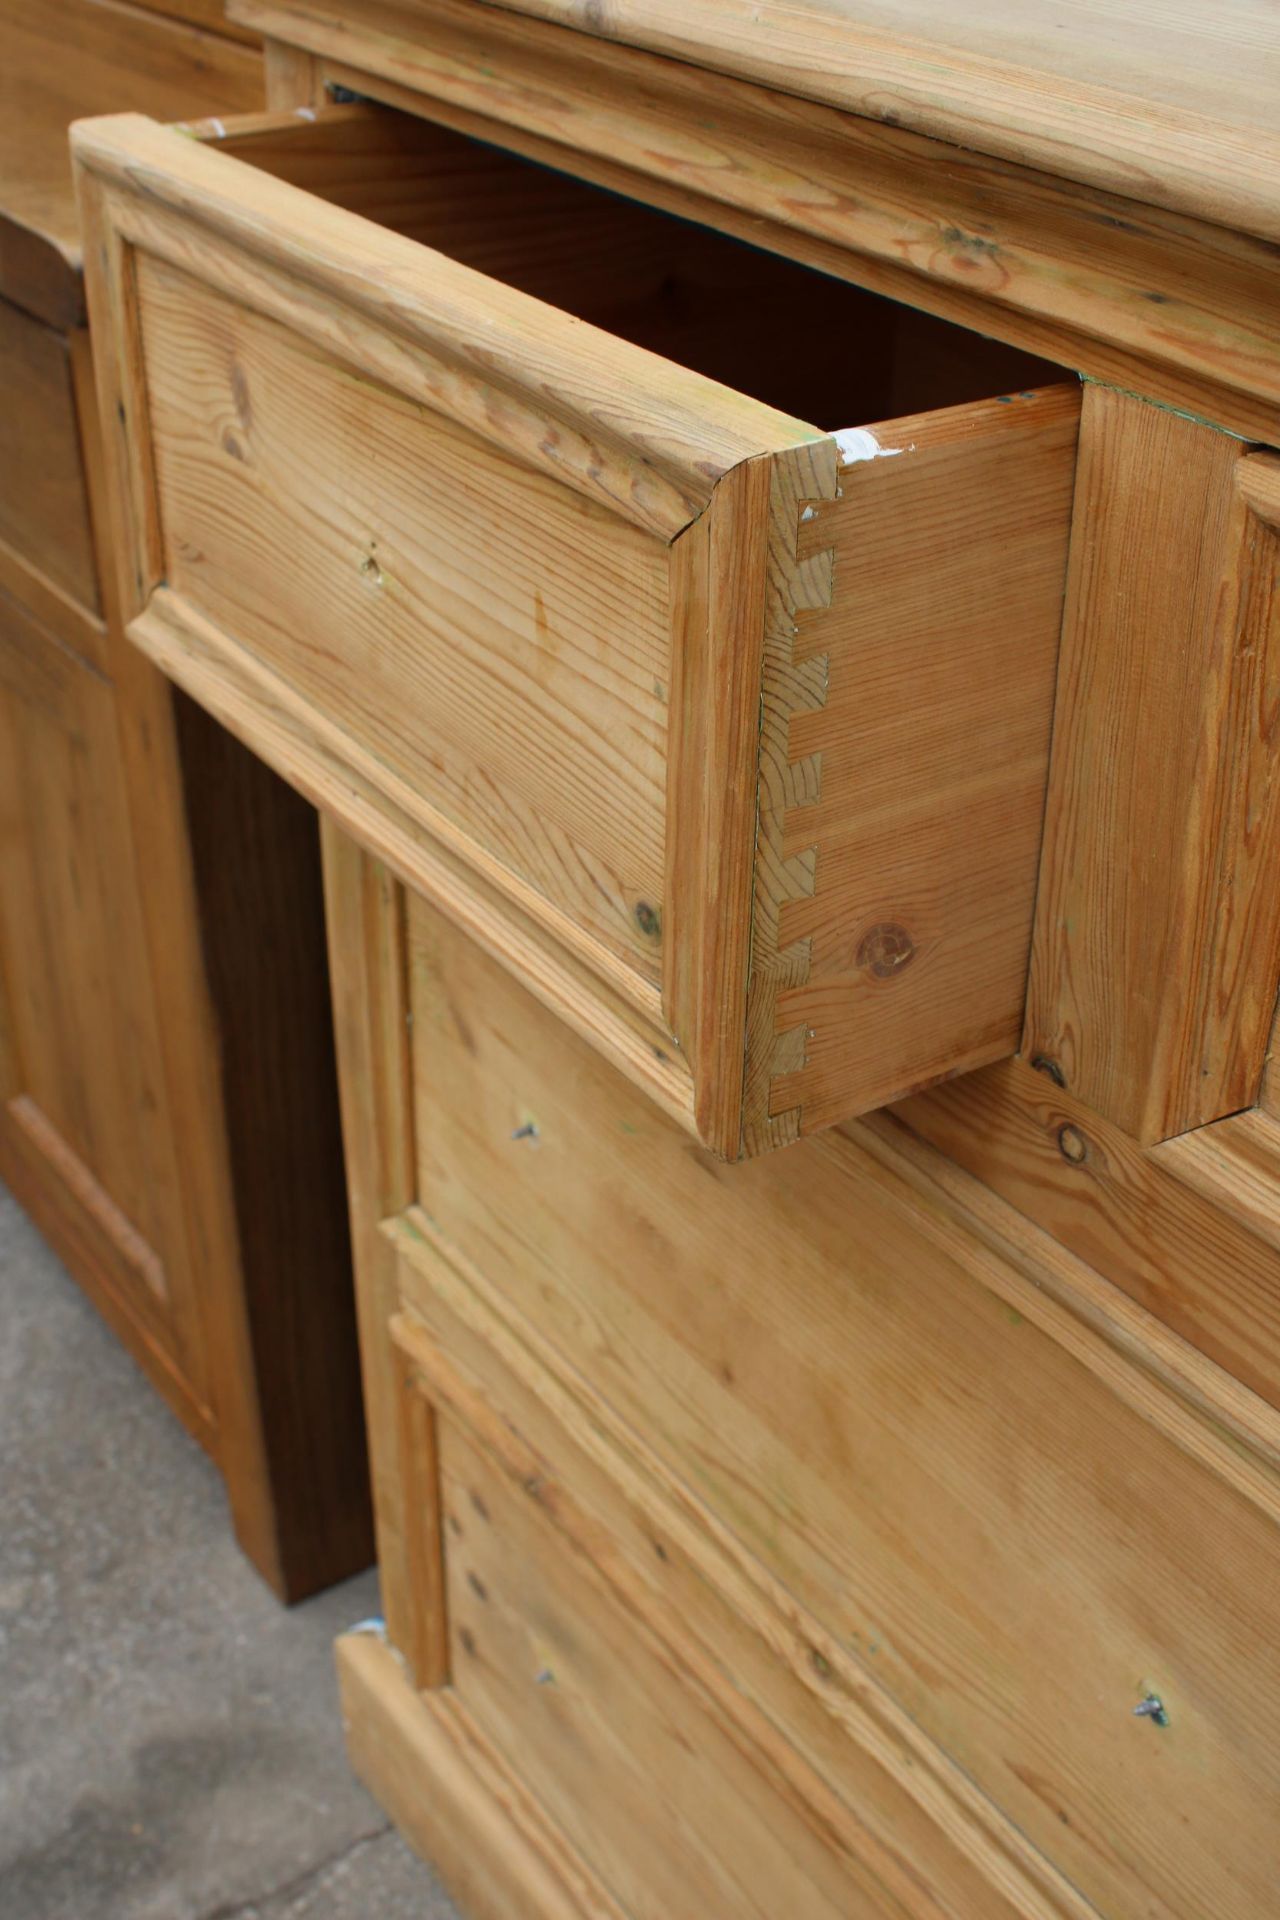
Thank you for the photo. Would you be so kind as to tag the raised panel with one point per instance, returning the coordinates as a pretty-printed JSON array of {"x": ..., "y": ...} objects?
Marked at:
[
  {"x": 85, "y": 1091},
  {"x": 874, "y": 1405},
  {"x": 44, "y": 509}
]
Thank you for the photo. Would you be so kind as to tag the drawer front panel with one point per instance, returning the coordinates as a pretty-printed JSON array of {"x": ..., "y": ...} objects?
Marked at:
[
  {"x": 496, "y": 641},
  {"x": 678, "y": 1824},
  {"x": 1015, "y": 1550}
]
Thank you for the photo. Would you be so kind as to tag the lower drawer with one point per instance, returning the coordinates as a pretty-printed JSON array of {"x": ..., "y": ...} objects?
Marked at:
[{"x": 938, "y": 1545}]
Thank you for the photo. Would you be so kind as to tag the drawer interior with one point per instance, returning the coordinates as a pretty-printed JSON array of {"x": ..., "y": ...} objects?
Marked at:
[
  {"x": 813, "y": 346},
  {"x": 506, "y": 517}
]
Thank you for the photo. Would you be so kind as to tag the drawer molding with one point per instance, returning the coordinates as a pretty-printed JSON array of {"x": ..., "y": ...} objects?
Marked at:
[
  {"x": 954, "y": 1827},
  {"x": 820, "y": 690},
  {"x": 1193, "y": 1400},
  {"x": 602, "y": 1001},
  {"x": 424, "y": 1759}
]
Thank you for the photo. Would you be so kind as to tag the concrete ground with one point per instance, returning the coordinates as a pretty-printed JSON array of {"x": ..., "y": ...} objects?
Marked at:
[{"x": 170, "y": 1747}]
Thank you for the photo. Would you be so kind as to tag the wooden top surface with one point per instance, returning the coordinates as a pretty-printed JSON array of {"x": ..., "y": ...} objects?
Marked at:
[
  {"x": 61, "y": 60},
  {"x": 1173, "y": 102}
]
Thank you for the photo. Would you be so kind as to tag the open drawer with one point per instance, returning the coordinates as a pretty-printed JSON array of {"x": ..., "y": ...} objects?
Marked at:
[{"x": 484, "y": 506}]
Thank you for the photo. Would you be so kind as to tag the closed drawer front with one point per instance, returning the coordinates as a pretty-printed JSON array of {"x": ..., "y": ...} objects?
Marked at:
[
  {"x": 728, "y": 733},
  {"x": 943, "y": 1541}
]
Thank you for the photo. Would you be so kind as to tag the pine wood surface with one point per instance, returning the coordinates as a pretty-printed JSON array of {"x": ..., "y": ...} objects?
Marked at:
[
  {"x": 124, "y": 1084},
  {"x": 479, "y": 1826},
  {"x": 85, "y": 1087},
  {"x": 1157, "y": 942},
  {"x": 1162, "y": 101},
  {"x": 610, "y": 1708},
  {"x": 64, "y": 59},
  {"x": 1143, "y": 1218},
  {"x": 585, "y": 1275},
  {"x": 905, "y": 1833},
  {"x": 1181, "y": 309},
  {"x": 44, "y": 509},
  {"x": 314, "y": 475},
  {"x": 914, "y": 778},
  {"x": 467, "y": 345},
  {"x": 671, "y": 1340},
  {"x": 209, "y": 14},
  {"x": 545, "y": 738},
  {"x": 701, "y": 1423}
]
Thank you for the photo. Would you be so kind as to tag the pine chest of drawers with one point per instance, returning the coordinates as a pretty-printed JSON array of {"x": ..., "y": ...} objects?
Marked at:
[{"x": 760, "y": 539}]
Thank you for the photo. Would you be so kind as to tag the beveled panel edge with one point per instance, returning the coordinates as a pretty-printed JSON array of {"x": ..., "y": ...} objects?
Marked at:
[
  {"x": 1020, "y": 1879},
  {"x": 640, "y": 436},
  {"x": 454, "y": 1797},
  {"x": 594, "y": 993}
]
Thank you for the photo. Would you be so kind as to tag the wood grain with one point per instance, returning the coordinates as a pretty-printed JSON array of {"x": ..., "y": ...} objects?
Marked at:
[
  {"x": 456, "y": 1798},
  {"x": 832, "y": 1753},
  {"x": 209, "y": 14},
  {"x": 1096, "y": 280},
  {"x": 340, "y": 510},
  {"x": 617, "y": 1010},
  {"x": 68, "y": 58},
  {"x": 1235, "y": 1165},
  {"x": 422, "y": 1506},
  {"x": 1143, "y": 1218},
  {"x": 1162, "y": 104},
  {"x": 44, "y": 511},
  {"x": 299, "y": 1504},
  {"x": 96, "y": 1243},
  {"x": 616, "y": 1730},
  {"x": 86, "y": 1034},
  {"x": 902, "y": 790},
  {"x": 1157, "y": 942},
  {"x": 498, "y": 643},
  {"x": 363, "y": 917},
  {"x": 698, "y": 297},
  {"x": 489, "y": 357},
  {"x": 908, "y": 1366}
]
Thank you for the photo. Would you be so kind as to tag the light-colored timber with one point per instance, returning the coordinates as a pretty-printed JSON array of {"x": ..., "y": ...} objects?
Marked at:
[
  {"x": 1097, "y": 276},
  {"x": 747, "y": 685},
  {"x": 1157, "y": 944},
  {"x": 67, "y": 58},
  {"x": 781, "y": 1449},
  {"x": 323, "y": 449},
  {"x": 168, "y": 1113},
  {"x": 1166, "y": 101}
]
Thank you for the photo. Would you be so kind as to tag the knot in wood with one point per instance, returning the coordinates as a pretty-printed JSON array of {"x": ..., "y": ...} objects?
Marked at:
[{"x": 885, "y": 949}]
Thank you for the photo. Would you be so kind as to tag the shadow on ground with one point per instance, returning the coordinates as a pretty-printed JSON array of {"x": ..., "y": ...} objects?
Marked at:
[{"x": 170, "y": 1747}]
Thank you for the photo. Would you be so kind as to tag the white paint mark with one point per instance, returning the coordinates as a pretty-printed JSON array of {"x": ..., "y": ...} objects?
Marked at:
[
  {"x": 808, "y": 514},
  {"x": 219, "y": 129},
  {"x": 859, "y": 443},
  {"x": 305, "y": 113}
]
